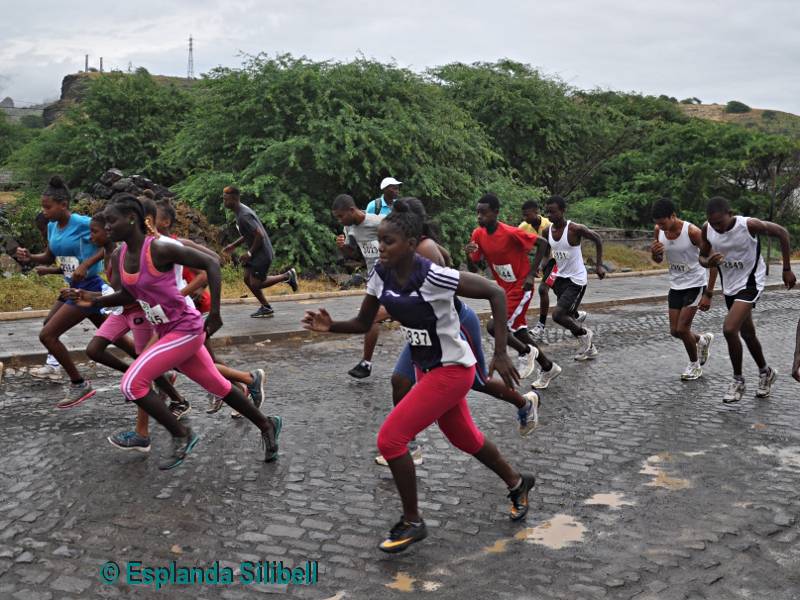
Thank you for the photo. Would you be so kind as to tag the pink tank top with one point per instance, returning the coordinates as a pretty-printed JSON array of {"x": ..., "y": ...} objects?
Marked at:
[{"x": 158, "y": 294}]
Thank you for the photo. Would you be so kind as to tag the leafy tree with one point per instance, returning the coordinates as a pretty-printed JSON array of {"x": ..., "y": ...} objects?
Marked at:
[{"x": 734, "y": 106}]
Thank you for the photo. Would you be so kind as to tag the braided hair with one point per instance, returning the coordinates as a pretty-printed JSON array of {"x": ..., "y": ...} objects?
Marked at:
[
  {"x": 429, "y": 229},
  {"x": 129, "y": 204},
  {"x": 57, "y": 190},
  {"x": 405, "y": 219}
]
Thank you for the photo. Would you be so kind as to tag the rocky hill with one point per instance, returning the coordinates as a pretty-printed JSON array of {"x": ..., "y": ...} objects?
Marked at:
[{"x": 770, "y": 121}]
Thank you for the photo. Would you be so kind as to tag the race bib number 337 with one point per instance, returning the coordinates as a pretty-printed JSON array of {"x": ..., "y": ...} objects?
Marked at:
[{"x": 416, "y": 337}]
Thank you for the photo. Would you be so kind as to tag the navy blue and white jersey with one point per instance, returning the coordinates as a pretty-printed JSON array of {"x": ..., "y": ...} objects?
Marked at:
[{"x": 425, "y": 310}]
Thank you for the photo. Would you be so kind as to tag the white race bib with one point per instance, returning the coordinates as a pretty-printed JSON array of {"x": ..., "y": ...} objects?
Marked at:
[
  {"x": 560, "y": 255},
  {"x": 107, "y": 290},
  {"x": 732, "y": 264},
  {"x": 679, "y": 267},
  {"x": 505, "y": 272},
  {"x": 416, "y": 337},
  {"x": 68, "y": 265},
  {"x": 154, "y": 314},
  {"x": 369, "y": 249}
]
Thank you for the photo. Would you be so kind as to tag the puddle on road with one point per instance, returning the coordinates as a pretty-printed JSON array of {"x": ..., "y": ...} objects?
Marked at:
[
  {"x": 403, "y": 582},
  {"x": 789, "y": 456},
  {"x": 613, "y": 500},
  {"x": 556, "y": 533},
  {"x": 660, "y": 478},
  {"x": 498, "y": 547}
]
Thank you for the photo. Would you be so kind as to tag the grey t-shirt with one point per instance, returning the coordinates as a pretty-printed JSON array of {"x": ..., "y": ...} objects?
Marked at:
[
  {"x": 365, "y": 236},
  {"x": 247, "y": 222}
]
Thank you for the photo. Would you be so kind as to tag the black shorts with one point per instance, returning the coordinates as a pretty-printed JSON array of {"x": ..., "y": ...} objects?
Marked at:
[
  {"x": 259, "y": 265},
  {"x": 690, "y": 297},
  {"x": 750, "y": 295},
  {"x": 569, "y": 294}
]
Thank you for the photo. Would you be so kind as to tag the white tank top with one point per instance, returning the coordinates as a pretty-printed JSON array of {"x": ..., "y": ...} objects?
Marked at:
[
  {"x": 742, "y": 266},
  {"x": 685, "y": 270},
  {"x": 179, "y": 280},
  {"x": 568, "y": 258}
]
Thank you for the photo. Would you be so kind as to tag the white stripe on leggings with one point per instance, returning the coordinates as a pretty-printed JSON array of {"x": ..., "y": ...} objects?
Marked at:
[{"x": 148, "y": 354}]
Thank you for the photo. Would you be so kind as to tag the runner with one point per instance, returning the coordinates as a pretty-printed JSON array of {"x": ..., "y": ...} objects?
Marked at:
[
  {"x": 731, "y": 244},
  {"x": 360, "y": 235},
  {"x": 194, "y": 287},
  {"x": 259, "y": 252},
  {"x": 507, "y": 249},
  {"x": 680, "y": 241},
  {"x": 419, "y": 294},
  {"x": 404, "y": 377},
  {"x": 68, "y": 242},
  {"x": 533, "y": 222},
  {"x": 569, "y": 283},
  {"x": 382, "y": 205},
  {"x": 147, "y": 276}
]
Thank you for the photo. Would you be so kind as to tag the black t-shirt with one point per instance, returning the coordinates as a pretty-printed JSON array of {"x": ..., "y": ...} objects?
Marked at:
[{"x": 247, "y": 222}]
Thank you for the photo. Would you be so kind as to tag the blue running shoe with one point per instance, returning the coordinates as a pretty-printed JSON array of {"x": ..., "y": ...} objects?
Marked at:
[
  {"x": 181, "y": 446},
  {"x": 130, "y": 440},
  {"x": 269, "y": 439},
  {"x": 256, "y": 389}
]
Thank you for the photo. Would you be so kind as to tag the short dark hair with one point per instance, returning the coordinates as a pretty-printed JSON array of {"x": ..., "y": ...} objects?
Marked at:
[
  {"x": 231, "y": 190},
  {"x": 717, "y": 204},
  {"x": 558, "y": 201},
  {"x": 491, "y": 200},
  {"x": 57, "y": 190},
  {"x": 166, "y": 207},
  {"x": 99, "y": 217},
  {"x": 343, "y": 202},
  {"x": 663, "y": 208},
  {"x": 530, "y": 204}
]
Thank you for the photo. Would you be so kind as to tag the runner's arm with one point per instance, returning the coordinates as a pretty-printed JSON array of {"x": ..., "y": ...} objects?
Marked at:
[
  {"x": 657, "y": 248},
  {"x": 758, "y": 227},
  {"x": 432, "y": 251},
  {"x": 321, "y": 321},
  {"x": 542, "y": 250},
  {"x": 585, "y": 232},
  {"x": 706, "y": 259},
  {"x": 232, "y": 246},
  {"x": 83, "y": 268}
]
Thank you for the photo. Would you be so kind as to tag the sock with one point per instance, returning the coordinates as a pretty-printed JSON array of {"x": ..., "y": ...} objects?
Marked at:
[
  {"x": 543, "y": 320},
  {"x": 79, "y": 381},
  {"x": 516, "y": 487},
  {"x": 764, "y": 371},
  {"x": 367, "y": 362},
  {"x": 739, "y": 378},
  {"x": 695, "y": 363}
]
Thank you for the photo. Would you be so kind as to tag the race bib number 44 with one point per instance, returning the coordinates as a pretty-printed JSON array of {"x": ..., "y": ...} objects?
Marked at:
[
  {"x": 154, "y": 314},
  {"x": 416, "y": 337},
  {"x": 505, "y": 272}
]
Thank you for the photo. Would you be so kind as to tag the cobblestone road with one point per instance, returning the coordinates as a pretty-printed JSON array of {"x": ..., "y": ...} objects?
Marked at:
[{"x": 647, "y": 487}]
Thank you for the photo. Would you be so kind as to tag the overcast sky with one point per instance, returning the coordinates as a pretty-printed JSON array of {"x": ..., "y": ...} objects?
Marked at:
[{"x": 714, "y": 50}]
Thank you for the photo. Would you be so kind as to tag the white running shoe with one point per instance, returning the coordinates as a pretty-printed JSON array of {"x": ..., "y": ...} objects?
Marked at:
[
  {"x": 588, "y": 355},
  {"x": 735, "y": 392},
  {"x": 692, "y": 372},
  {"x": 704, "y": 347},
  {"x": 537, "y": 333},
  {"x": 528, "y": 416},
  {"x": 416, "y": 456},
  {"x": 545, "y": 377},
  {"x": 527, "y": 362},
  {"x": 581, "y": 316},
  {"x": 585, "y": 341},
  {"x": 46, "y": 372},
  {"x": 765, "y": 381}
]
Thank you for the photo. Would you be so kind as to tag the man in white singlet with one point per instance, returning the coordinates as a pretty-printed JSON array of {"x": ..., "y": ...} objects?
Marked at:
[
  {"x": 680, "y": 241},
  {"x": 732, "y": 246}
]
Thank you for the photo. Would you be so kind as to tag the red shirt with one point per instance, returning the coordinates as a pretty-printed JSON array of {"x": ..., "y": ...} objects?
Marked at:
[
  {"x": 204, "y": 304},
  {"x": 506, "y": 250}
]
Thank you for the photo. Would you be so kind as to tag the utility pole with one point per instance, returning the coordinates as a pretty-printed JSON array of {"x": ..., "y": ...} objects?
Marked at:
[
  {"x": 101, "y": 64},
  {"x": 190, "y": 65},
  {"x": 86, "y": 68}
]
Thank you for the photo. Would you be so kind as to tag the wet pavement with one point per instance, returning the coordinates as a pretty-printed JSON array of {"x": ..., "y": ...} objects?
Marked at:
[{"x": 647, "y": 487}]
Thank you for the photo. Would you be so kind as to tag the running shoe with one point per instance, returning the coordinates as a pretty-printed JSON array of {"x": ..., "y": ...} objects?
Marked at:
[
  {"x": 179, "y": 409},
  {"x": 584, "y": 343},
  {"x": 704, "y": 347},
  {"x": 537, "y": 333},
  {"x": 519, "y": 498},
  {"x": 181, "y": 446},
  {"x": 263, "y": 312},
  {"x": 292, "y": 281},
  {"x": 528, "y": 416},
  {"x": 735, "y": 391},
  {"x": 256, "y": 389},
  {"x": 77, "y": 393},
  {"x": 402, "y": 535},
  {"x": 692, "y": 372},
  {"x": 588, "y": 355},
  {"x": 269, "y": 439},
  {"x": 416, "y": 457},
  {"x": 214, "y": 404},
  {"x": 527, "y": 362},
  {"x": 545, "y": 377},
  {"x": 765, "y": 381},
  {"x": 581, "y": 316},
  {"x": 130, "y": 440},
  {"x": 47, "y": 372},
  {"x": 361, "y": 371}
]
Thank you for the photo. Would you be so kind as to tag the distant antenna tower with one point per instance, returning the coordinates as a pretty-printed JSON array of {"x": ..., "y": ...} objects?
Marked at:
[{"x": 190, "y": 66}]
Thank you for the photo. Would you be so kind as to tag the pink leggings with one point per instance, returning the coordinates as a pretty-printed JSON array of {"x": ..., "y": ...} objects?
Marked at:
[
  {"x": 176, "y": 350},
  {"x": 439, "y": 395}
]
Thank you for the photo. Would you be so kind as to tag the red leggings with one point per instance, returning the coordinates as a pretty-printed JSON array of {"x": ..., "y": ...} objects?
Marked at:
[{"x": 439, "y": 395}]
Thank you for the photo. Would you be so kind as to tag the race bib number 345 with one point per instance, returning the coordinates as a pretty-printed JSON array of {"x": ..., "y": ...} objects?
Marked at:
[
  {"x": 154, "y": 314},
  {"x": 416, "y": 337}
]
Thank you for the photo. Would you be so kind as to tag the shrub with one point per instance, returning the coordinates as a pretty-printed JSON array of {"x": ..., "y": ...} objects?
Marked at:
[{"x": 736, "y": 107}]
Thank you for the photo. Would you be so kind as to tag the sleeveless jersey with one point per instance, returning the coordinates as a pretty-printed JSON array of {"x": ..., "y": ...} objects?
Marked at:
[
  {"x": 685, "y": 270},
  {"x": 742, "y": 266},
  {"x": 569, "y": 259}
]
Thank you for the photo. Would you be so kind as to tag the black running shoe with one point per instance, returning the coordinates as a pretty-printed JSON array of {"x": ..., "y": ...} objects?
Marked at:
[
  {"x": 519, "y": 498},
  {"x": 181, "y": 446},
  {"x": 263, "y": 312},
  {"x": 361, "y": 371},
  {"x": 292, "y": 281},
  {"x": 179, "y": 409},
  {"x": 402, "y": 535},
  {"x": 269, "y": 439}
]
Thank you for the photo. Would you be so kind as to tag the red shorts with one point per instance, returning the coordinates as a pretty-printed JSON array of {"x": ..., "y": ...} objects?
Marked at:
[{"x": 517, "y": 302}]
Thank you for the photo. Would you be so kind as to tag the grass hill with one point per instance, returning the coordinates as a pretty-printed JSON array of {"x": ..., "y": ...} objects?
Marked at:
[{"x": 769, "y": 121}]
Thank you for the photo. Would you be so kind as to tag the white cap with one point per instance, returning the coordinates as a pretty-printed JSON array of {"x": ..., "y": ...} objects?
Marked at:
[{"x": 387, "y": 181}]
